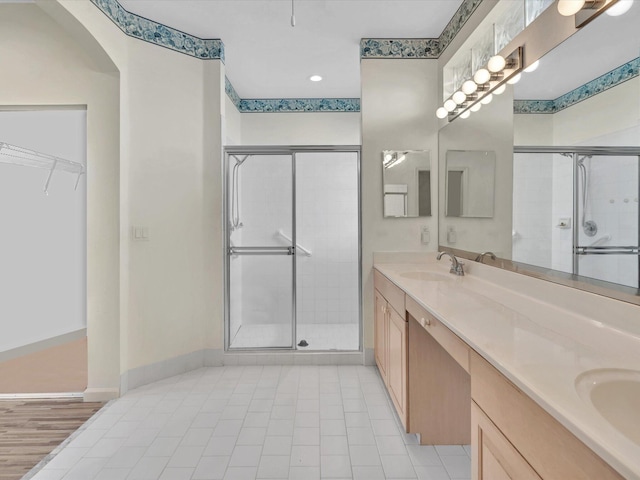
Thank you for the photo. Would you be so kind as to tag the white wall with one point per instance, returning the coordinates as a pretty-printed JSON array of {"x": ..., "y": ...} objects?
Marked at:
[
  {"x": 43, "y": 244},
  {"x": 321, "y": 128},
  {"x": 399, "y": 98},
  {"x": 232, "y": 123},
  {"x": 51, "y": 67}
]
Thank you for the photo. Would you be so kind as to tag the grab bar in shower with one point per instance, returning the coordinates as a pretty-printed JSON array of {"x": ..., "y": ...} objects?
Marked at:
[
  {"x": 306, "y": 252},
  {"x": 608, "y": 250}
]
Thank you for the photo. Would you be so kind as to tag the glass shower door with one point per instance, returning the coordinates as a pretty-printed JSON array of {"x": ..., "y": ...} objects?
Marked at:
[{"x": 260, "y": 254}]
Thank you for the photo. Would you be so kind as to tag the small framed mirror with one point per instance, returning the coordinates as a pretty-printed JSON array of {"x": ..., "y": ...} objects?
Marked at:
[
  {"x": 406, "y": 183},
  {"x": 470, "y": 182}
]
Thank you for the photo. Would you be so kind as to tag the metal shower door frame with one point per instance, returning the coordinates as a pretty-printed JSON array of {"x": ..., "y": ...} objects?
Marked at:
[{"x": 292, "y": 151}]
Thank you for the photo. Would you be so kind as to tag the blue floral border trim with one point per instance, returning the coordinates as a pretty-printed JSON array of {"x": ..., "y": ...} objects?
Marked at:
[
  {"x": 456, "y": 23},
  {"x": 422, "y": 48},
  {"x": 299, "y": 105},
  {"x": 399, "y": 48},
  {"x": 158, "y": 34},
  {"x": 604, "y": 82},
  {"x": 231, "y": 93}
]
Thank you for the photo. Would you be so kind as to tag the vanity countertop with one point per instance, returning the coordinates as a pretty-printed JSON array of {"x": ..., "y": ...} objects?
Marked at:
[{"x": 535, "y": 341}]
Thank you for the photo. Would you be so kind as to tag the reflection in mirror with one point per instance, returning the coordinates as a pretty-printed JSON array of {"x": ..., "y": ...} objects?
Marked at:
[
  {"x": 406, "y": 178},
  {"x": 576, "y": 164},
  {"x": 470, "y": 183},
  {"x": 575, "y": 196}
]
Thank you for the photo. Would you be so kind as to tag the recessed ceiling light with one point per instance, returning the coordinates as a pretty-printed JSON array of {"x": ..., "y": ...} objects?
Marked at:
[{"x": 315, "y": 78}]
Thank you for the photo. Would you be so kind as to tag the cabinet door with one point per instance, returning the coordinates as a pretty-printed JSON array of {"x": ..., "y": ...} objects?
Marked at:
[
  {"x": 494, "y": 457},
  {"x": 398, "y": 363},
  {"x": 380, "y": 330}
]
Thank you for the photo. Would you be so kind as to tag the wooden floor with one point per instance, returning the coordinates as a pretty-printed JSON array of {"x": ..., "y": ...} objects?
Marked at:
[
  {"x": 53, "y": 370},
  {"x": 31, "y": 429}
]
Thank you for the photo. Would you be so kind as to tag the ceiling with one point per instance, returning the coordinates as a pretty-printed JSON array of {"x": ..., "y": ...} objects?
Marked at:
[
  {"x": 267, "y": 58},
  {"x": 602, "y": 45}
]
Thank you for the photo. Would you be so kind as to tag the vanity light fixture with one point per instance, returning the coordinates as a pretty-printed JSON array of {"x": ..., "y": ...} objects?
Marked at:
[
  {"x": 479, "y": 91},
  {"x": 496, "y": 63},
  {"x": 500, "y": 90},
  {"x": 315, "y": 78},
  {"x": 515, "y": 79},
  {"x": 450, "y": 105},
  {"x": 533, "y": 67},
  {"x": 442, "y": 112},
  {"x": 459, "y": 97},
  {"x": 393, "y": 159},
  {"x": 587, "y": 10},
  {"x": 482, "y": 76},
  {"x": 620, "y": 8},
  {"x": 469, "y": 87},
  {"x": 486, "y": 100}
]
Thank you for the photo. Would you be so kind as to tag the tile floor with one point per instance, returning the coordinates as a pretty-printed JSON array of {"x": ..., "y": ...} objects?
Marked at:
[
  {"x": 319, "y": 336},
  {"x": 254, "y": 422}
]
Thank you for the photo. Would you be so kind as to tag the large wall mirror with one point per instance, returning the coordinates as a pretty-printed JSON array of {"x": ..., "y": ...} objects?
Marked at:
[
  {"x": 406, "y": 183},
  {"x": 572, "y": 177},
  {"x": 470, "y": 183}
]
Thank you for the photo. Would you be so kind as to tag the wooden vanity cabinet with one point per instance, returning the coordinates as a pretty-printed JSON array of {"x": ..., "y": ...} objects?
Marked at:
[
  {"x": 390, "y": 342},
  {"x": 514, "y": 438}
]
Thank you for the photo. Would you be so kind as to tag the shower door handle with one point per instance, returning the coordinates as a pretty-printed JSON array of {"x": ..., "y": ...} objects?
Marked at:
[{"x": 262, "y": 250}]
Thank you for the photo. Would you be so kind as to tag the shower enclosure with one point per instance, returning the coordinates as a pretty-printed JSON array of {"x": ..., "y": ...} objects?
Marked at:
[
  {"x": 292, "y": 248},
  {"x": 575, "y": 209}
]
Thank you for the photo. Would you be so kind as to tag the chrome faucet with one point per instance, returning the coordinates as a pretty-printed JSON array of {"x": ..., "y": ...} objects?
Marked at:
[
  {"x": 456, "y": 265},
  {"x": 480, "y": 257}
]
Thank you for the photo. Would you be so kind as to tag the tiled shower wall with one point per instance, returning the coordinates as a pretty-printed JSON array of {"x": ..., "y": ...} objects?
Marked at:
[{"x": 327, "y": 225}]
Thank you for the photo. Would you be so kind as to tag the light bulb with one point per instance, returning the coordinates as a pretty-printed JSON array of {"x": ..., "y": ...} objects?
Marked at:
[
  {"x": 533, "y": 67},
  {"x": 500, "y": 90},
  {"x": 515, "y": 79},
  {"x": 496, "y": 63},
  {"x": 442, "y": 112},
  {"x": 465, "y": 114},
  {"x": 486, "y": 99},
  {"x": 620, "y": 8},
  {"x": 459, "y": 97},
  {"x": 476, "y": 107},
  {"x": 315, "y": 78},
  {"x": 469, "y": 87},
  {"x": 570, "y": 7},
  {"x": 387, "y": 157},
  {"x": 482, "y": 76},
  {"x": 450, "y": 105}
]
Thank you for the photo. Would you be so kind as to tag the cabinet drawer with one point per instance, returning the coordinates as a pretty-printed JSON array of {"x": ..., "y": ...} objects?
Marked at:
[
  {"x": 445, "y": 337},
  {"x": 390, "y": 292}
]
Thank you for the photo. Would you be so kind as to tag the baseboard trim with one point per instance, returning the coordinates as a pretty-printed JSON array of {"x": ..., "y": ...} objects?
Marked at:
[
  {"x": 100, "y": 394},
  {"x": 43, "y": 345},
  {"x": 27, "y": 396},
  {"x": 293, "y": 358}
]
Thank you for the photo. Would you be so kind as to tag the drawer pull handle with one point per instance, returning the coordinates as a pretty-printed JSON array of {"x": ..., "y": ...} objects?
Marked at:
[{"x": 425, "y": 321}]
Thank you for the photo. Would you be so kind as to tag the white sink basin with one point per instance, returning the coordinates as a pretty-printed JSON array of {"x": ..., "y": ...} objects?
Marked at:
[
  {"x": 426, "y": 276},
  {"x": 615, "y": 394}
]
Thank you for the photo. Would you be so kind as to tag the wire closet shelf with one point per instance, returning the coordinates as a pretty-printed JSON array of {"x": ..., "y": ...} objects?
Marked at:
[{"x": 15, "y": 155}]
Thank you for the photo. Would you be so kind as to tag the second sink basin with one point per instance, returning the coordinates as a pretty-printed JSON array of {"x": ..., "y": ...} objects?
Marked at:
[
  {"x": 426, "y": 276},
  {"x": 615, "y": 394}
]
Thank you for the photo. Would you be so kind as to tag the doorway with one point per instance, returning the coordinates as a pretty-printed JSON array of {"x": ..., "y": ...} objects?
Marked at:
[{"x": 292, "y": 221}]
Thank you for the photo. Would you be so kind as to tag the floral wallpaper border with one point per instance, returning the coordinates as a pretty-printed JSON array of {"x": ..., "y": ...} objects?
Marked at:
[
  {"x": 604, "y": 82},
  {"x": 422, "y": 48},
  {"x": 149, "y": 31}
]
